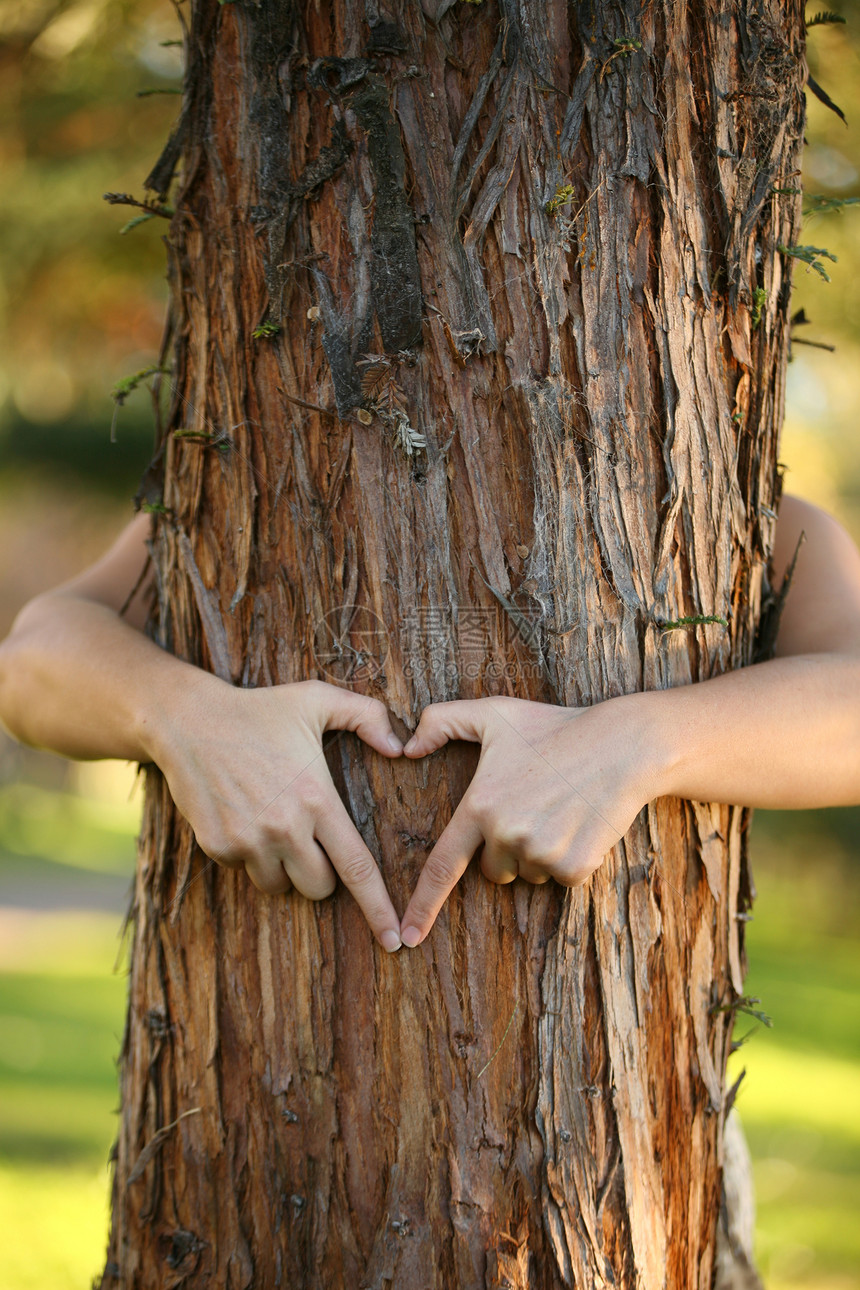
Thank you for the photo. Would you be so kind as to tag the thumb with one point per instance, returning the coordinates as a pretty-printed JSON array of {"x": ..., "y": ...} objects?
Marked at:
[
  {"x": 368, "y": 718},
  {"x": 463, "y": 719}
]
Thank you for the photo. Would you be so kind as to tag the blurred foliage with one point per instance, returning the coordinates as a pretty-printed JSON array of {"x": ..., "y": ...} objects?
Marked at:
[
  {"x": 821, "y": 437},
  {"x": 80, "y": 305},
  {"x": 800, "y": 1098},
  {"x": 831, "y": 169},
  {"x": 61, "y": 1018},
  {"x": 64, "y": 1248}
]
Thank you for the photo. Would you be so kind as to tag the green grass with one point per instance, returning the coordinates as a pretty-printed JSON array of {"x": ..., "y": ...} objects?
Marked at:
[
  {"x": 64, "y": 828},
  {"x": 61, "y": 1017},
  {"x": 800, "y": 1099},
  {"x": 54, "y": 1222},
  {"x": 61, "y": 1020},
  {"x": 59, "y": 1037}
]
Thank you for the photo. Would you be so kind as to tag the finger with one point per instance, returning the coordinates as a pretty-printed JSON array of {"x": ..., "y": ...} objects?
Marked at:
[
  {"x": 367, "y": 717},
  {"x": 498, "y": 864},
  {"x": 310, "y": 870},
  {"x": 582, "y": 858},
  {"x": 268, "y": 876},
  {"x": 462, "y": 719},
  {"x": 359, "y": 872},
  {"x": 533, "y": 873},
  {"x": 578, "y": 868},
  {"x": 222, "y": 854},
  {"x": 443, "y": 868}
]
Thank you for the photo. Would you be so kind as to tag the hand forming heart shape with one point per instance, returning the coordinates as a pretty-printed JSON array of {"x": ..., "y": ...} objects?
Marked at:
[{"x": 553, "y": 791}]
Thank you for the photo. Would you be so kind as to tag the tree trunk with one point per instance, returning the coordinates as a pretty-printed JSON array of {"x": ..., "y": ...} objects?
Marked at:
[{"x": 480, "y": 324}]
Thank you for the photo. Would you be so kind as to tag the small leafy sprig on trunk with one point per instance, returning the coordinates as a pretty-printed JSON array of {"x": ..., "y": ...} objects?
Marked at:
[
  {"x": 746, "y": 1004},
  {"x": 266, "y": 330},
  {"x": 823, "y": 16},
  {"x": 149, "y": 207},
  {"x": 810, "y": 255},
  {"x": 384, "y": 397},
  {"x": 821, "y": 204},
  {"x": 623, "y": 47},
  {"x": 126, "y": 385},
  {"x": 759, "y": 300},
  {"x": 562, "y": 196}
]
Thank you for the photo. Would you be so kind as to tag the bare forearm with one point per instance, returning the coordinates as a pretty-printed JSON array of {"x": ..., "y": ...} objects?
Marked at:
[
  {"x": 783, "y": 734},
  {"x": 75, "y": 678},
  {"x": 246, "y": 768}
]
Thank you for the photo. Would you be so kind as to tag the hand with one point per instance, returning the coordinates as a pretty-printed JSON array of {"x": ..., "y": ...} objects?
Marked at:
[
  {"x": 554, "y": 790},
  {"x": 246, "y": 769}
]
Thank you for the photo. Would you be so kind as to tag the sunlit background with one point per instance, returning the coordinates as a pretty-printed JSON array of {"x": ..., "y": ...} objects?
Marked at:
[{"x": 81, "y": 307}]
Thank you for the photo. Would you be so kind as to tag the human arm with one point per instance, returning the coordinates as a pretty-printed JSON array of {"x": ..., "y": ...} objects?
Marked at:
[
  {"x": 245, "y": 767},
  {"x": 556, "y": 788}
]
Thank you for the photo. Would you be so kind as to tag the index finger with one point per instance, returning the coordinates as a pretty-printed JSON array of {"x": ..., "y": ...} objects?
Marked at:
[
  {"x": 358, "y": 871},
  {"x": 443, "y": 869}
]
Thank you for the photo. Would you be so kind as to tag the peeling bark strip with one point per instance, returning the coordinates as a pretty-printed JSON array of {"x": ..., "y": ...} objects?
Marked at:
[
  {"x": 570, "y": 206},
  {"x": 394, "y": 276}
]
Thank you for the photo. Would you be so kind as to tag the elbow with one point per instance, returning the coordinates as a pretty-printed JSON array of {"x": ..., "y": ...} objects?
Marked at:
[
  {"x": 17, "y": 654},
  {"x": 10, "y": 708}
]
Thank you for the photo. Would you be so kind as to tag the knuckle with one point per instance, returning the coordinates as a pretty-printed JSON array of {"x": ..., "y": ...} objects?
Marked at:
[
  {"x": 495, "y": 706},
  {"x": 548, "y": 842},
  {"x": 376, "y": 915},
  {"x": 270, "y": 881},
  {"x": 222, "y": 848},
  {"x": 315, "y": 797},
  {"x": 371, "y": 714},
  {"x": 308, "y": 693},
  {"x": 357, "y": 870},
  {"x": 573, "y": 879},
  {"x": 484, "y": 809},
  {"x": 435, "y": 710},
  {"x": 206, "y": 843},
  {"x": 315, "y": 886},
  {"x": 535, "y": 874},
  {"x": 577, "y": 869},
  {"x": 231, "y": 861},
  {"x": 276, "y": 829},
  {"x": 324, "y": 887},
  {"x": 514, "y": 835},
  {"x": 437, "y": 874},
  {"x": 439, "y": 717},
  {"x": 493, "y": 874},
  {"x": 551, "y": 854}
]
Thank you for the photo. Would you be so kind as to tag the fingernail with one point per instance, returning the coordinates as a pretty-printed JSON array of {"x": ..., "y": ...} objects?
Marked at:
[
  {"x": 410, "y": 937},
  {"x": 390, "y": 941},
  {"x": 411, "y": 744},
  {"x": 397, "y": 747}
]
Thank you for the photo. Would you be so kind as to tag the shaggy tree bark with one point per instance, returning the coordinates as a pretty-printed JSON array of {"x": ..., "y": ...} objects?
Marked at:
[{"x": 478, "y": 337}]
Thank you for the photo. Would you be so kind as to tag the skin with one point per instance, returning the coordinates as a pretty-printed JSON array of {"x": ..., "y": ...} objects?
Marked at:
[
  {"x": 245, "y": 767},
  {"x": 554, "y": 790}
]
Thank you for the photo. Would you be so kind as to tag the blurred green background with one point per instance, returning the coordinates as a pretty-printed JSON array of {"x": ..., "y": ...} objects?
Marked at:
[{"x": 81, "y": 306}]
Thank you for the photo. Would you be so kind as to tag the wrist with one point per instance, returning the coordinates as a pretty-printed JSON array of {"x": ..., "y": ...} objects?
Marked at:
[
  {"x": 652, "y": 729},
  {"x": 172, "y": 702}
]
